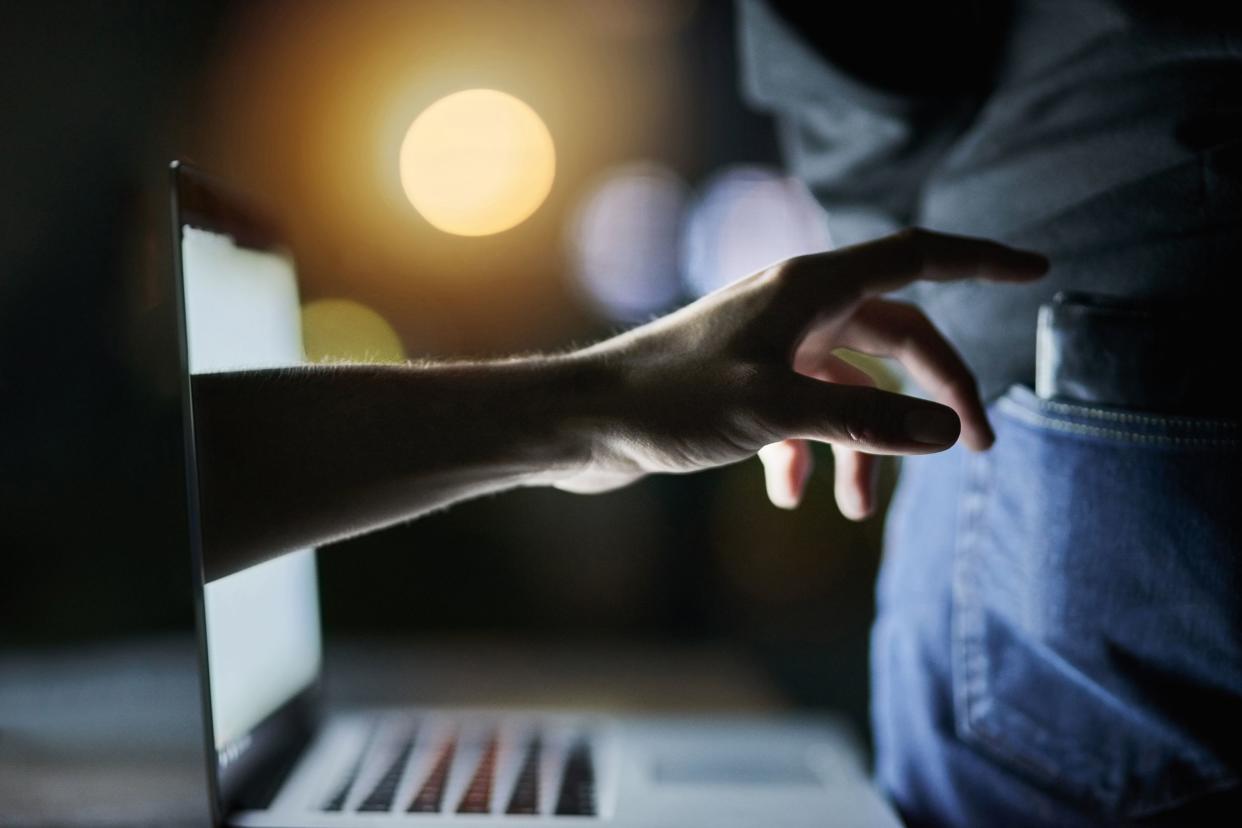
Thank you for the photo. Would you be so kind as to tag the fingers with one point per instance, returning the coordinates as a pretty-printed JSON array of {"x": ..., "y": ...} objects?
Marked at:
[
  {"x": 854, "y": 471},
  {"x": 854, "y": 486},
  {"x": 911, "y": 255},
  {"x": 786, "y": 467},
  {"x": 865, "y": 419},
  {"x": 894, "y": 329}
]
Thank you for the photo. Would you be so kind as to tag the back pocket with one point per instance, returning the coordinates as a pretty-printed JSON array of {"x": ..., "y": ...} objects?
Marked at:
[{"x": 1097, "y": 589}]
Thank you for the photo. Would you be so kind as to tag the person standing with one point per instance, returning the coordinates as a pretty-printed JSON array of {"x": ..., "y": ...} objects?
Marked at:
[{"x": 1057, "y": 638}]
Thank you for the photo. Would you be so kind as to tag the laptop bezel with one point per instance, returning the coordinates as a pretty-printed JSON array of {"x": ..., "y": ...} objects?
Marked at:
[{"x": 254, "y": 772}]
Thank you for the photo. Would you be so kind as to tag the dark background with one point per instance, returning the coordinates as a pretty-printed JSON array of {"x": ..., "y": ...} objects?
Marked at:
[{"x": 278, "y": 97}]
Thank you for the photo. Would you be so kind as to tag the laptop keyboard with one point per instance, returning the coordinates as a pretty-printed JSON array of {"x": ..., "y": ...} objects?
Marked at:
[
  {"x": 430, "y": 798},
  {"x": 381, "y": 796},
  {"x": 436, "y": 770},
  {"x": 478, "y": 796},
  {"x": 337, "y": 801},
  {"x": 577, "y": 795},
  {"x": 525, "y": 797}
]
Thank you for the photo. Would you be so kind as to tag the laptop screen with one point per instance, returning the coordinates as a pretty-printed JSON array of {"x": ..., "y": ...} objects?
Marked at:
[{"x": 261, "y": 624}]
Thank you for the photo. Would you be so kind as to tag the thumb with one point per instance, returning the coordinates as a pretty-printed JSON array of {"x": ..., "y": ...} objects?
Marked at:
[{"x": 867, "y": 419}]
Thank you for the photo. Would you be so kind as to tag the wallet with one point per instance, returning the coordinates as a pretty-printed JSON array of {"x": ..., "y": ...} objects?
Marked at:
[{"x": 1163, "y": 357}]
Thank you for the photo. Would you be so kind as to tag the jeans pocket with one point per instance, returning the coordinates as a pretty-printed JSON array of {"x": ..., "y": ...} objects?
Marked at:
[{"x": 1097, "y": 603}]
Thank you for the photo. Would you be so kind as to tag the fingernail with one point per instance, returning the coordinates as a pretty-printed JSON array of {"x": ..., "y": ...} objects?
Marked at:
[{"x": 933, "y": 426}]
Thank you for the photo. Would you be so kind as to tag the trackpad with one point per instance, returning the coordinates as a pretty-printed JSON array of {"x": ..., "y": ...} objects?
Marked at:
[{"x": 716, "y": 768}]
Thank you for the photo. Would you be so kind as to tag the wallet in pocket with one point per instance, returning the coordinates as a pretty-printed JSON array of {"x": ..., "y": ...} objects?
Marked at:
[{"x": 1150, "y": 355}]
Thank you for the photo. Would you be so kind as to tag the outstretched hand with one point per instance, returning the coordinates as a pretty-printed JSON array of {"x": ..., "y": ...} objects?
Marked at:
[{"x": 751, "y": 369}]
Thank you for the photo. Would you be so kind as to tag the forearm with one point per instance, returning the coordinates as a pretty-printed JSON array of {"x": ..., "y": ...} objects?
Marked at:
[{"x": 298, "y": 457}]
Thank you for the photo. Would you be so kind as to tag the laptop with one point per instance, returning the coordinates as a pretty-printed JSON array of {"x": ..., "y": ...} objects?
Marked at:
[{"x": 276, "y": 757}]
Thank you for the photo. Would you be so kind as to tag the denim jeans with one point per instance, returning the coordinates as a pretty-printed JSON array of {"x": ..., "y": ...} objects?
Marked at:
[{"x": 1059, "y": 632}]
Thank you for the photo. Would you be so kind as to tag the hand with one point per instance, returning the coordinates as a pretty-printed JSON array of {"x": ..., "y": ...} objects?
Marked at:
[{"x": 750, "y": 369}]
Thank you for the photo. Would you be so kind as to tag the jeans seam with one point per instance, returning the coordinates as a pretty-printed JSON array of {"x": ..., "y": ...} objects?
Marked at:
[
  {"x": 1039, "y": 420},
  {"x": 1142, "y": 419}
]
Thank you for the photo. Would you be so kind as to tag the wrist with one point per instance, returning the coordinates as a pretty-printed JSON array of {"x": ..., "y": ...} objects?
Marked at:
[{"x": 588, "y": 414}]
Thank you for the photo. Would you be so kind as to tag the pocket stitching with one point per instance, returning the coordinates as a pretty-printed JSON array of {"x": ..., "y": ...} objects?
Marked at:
[
  {"x": 1144, "y": 419},
  {"x": 1036, "y": 419}
]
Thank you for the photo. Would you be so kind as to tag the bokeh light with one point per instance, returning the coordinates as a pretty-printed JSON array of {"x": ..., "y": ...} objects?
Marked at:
[
  {"x": 349, "y": 79},
  {"x": 623, "y": 241},
  {"x": 746, "y": 218},
  {"x": 477, "y": 162},
  {"x": 342, "y": 330}
]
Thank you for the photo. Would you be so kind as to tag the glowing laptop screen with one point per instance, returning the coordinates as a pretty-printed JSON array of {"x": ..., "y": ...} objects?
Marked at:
[{"x": 262, "y": 623}]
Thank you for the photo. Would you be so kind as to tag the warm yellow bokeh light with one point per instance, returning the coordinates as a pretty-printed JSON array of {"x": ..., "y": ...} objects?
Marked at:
[
  {"x": 341, "y": 330},
  {"x": 477, "y": 162}
]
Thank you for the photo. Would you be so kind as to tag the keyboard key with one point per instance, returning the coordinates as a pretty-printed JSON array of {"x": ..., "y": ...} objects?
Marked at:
[
  {"x": 336, "y": 802},
  {"x": 478, "y": 796},
  {"x": 577, "y": 796},
  {"x": 430, "y": 797},
  {"x": 525, "y": 797},
  {"x": 381, "y": 796}
]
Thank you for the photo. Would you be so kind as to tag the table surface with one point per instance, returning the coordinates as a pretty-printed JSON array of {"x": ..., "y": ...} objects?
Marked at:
[{"x": 109, "y": 735}]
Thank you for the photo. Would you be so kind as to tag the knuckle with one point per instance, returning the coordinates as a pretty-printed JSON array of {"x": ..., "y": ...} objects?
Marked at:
[
  {"x": 858, "y": 418},
  {"x": 906, "y": 344},
  {"x": 914, "y": 241},
  {"x": 794, "y": 283},
  {"x": 790, "y": 269},
  {"x": 912, "y": 315},
  {"x": 857, "y": 432},
  {"x": 911, "y": 234}
]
